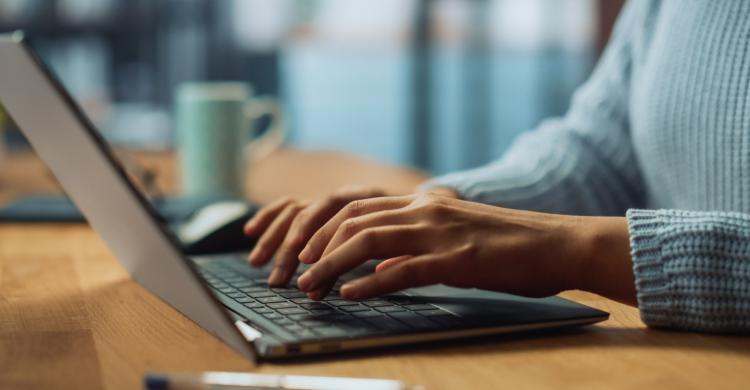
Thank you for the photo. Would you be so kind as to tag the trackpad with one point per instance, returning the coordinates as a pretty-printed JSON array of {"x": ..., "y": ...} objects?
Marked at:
[{"x": 473, "y": 303}]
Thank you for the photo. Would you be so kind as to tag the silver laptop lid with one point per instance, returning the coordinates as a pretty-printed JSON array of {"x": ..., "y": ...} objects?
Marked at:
[{"x": 83, "y": 163}]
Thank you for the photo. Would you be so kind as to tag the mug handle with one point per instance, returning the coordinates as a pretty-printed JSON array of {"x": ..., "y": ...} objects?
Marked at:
[{"x": 274, "y": 136}]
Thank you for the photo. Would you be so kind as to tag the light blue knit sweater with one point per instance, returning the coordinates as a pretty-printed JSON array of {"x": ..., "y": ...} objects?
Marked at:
[{"x": 660, "y": 130}]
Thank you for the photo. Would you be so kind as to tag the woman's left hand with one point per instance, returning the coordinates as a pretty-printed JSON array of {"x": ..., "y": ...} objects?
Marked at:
[{"x": 428, "y": 239}]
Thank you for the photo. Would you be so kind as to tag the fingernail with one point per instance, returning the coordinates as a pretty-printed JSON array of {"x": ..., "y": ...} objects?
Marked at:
[
  {"x": 315, "y": 295},
  {"x": 248, "y": 228},
  {"x": 349, "y": 291},
  {"x": 304, "y": 256},
  {"x": 256, "y": 255},
  {"x": 304, "y": 281},
  {"x": 276, "y": 278}
]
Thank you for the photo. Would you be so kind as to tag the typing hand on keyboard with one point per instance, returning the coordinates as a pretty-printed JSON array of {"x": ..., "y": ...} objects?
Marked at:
[
  {"x": 285, "y": 226},
  {"x": 430, "y": 239}
]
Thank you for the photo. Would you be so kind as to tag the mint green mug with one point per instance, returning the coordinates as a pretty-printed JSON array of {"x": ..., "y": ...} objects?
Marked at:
[{"x": 215, "y": 135}]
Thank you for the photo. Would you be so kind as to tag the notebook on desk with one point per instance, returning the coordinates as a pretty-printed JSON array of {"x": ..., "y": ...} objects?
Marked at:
[{"x": 222, "y": 293}]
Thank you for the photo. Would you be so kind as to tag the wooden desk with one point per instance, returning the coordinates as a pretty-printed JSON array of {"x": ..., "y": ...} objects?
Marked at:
[{"x": 71, "y": 318}]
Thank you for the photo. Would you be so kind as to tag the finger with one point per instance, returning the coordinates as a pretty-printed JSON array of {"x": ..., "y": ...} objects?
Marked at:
[
  {"x": 321, "y": 292},
  {"x": 388, "y": 263},
  {"x": 265, "y": 216},
  {"x": 286, "y": 261},
  {"x": 389, "y": 241},
  {"x": 316, "y": 245},
  {"x": 285, "y": 264},
  {"x": 419, "y": 271},
  {"x": 304, "y": 225},
  {"x": 312, "y": 218},
  {"x": 271, "y": 238},
  {"x": 350, "y": 227},
  {"x": 359, "y": 192}
]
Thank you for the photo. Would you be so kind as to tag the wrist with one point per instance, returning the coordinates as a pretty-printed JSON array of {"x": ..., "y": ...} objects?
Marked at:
[
  {"x": 605, "y": 265},
  {"x": 443, "y": 191}
]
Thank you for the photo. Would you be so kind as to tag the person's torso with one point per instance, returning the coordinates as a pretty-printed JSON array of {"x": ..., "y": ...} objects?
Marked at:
[{"x": 690, "y": 105}]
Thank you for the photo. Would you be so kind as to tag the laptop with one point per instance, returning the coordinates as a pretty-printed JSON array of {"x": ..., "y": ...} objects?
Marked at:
[{"x": 222, "y": 293}]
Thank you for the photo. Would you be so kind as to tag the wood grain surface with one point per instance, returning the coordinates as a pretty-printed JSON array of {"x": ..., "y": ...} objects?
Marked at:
[{"x": 71, "y": 318}]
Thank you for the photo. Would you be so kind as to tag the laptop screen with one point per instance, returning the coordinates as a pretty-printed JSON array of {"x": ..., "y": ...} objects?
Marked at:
[{"x": 86, "y": 167}]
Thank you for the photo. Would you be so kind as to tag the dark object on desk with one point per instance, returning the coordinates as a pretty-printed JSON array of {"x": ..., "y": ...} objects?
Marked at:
[
  {"x": 41, "y": 209},
  {"x": 206, "y": 224},
  {"x": 46, "y": 209},
  {"x": 216, "y": 228}
]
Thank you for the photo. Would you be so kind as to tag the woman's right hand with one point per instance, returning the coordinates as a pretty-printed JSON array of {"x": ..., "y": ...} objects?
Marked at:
[{"x": 285, "y": 226}]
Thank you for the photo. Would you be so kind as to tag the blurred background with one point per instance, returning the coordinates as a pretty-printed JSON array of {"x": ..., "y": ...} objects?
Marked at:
[{"x": 440, "y": 85}]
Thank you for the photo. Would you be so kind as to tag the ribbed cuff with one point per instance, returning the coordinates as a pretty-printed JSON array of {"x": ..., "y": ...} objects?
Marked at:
[{"x": 651, "y": 282}]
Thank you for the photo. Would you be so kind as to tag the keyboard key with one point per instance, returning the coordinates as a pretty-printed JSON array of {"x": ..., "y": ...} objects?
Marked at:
[
  {"x": 273, "y": 316},
  {"x": 253, "y": 289},
  {"x": 244, "y": 299},
  {"x": 227, "y": 290},
  {"x": 254, "y": 305},
  {"x": 292, "y": 326},
  {"x": 236, "y": 295},
  {"x": 405, "y": 300},
  {"x": 322, "y": 311},
  {"x": 300, "y": 317},
  {"x": 263, "y": 310},
  {"x": 420, "y": 306},
  {"x": 366, "y": 314},
  {"x": 262, "y": 294},
  {"x": 389, "y": 309},
  {"x": 354, "y": 308},
  {"x": 338, "y": 317},
  {"x": 283, "y": 289},
  {"x": 302, "y": 300},
  {"x": 271, "y": 299},
  {"x": 376, "y": 303},
  {"x": 315, "y": 305},
  {"x": 283, "y": 321},
  {"x": 292, "y": 310},
  {"x": 281, "y": 305},
  {"x": 293, "y": 294},
  {"x": 341, "y": 302}
]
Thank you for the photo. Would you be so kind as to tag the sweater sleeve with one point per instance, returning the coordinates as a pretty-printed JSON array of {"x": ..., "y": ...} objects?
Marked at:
[
  {"x": 583, "y": 163},
  {"x": 692, "y": 268}
]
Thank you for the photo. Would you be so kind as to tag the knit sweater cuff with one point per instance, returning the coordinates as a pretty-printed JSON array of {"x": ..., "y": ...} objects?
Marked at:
[{"x": 652, "y": 284}]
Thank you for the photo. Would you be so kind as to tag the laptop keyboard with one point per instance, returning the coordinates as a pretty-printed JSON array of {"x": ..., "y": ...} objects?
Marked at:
[{"x": 230, "y": 277}]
